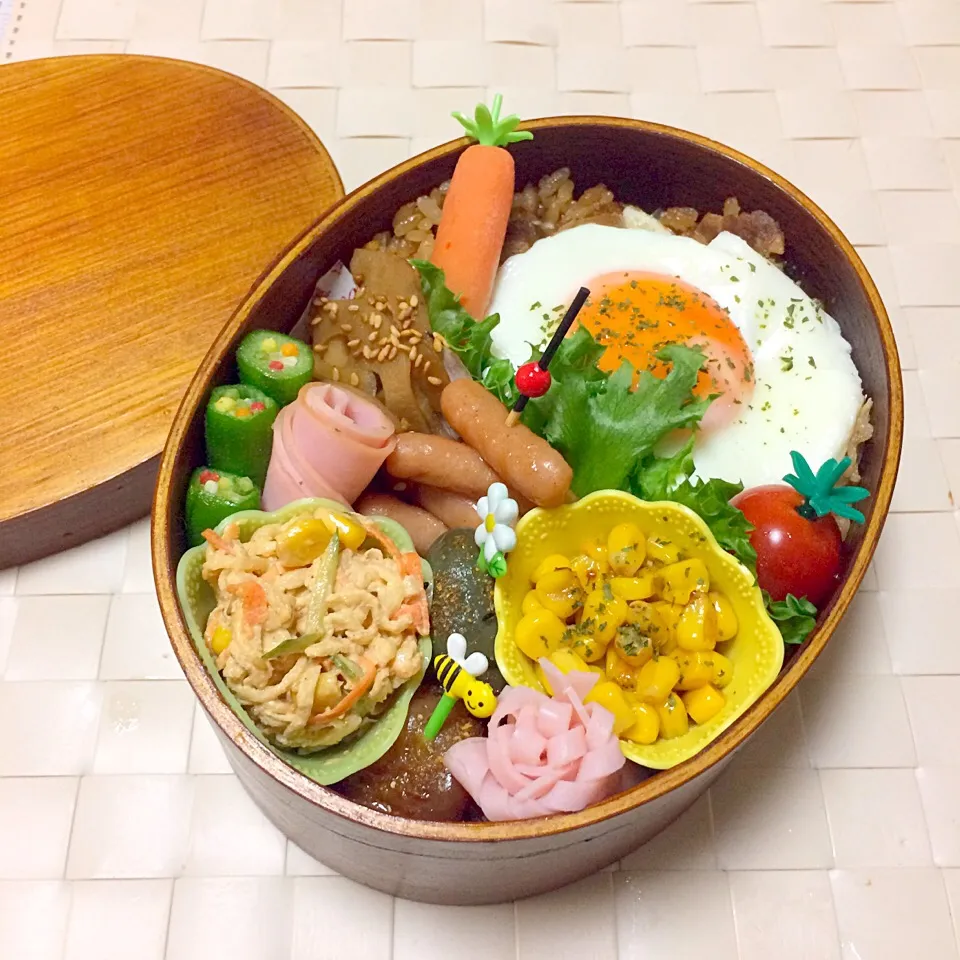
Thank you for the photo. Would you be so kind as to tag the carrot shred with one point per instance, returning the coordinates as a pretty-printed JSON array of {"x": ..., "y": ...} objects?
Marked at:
[
  {"x": 216, "y": 541},
  {"x": 473, "y": 225},
  {"x": 254, "y": 600},
  {"x": 353, "y": 695}
]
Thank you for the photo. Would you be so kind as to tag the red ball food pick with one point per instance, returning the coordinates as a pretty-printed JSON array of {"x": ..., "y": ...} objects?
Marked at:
[{"x": 532, "y": 380}]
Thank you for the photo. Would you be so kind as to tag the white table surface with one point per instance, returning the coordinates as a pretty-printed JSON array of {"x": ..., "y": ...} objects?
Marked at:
[{"x": 837, "y": 833}]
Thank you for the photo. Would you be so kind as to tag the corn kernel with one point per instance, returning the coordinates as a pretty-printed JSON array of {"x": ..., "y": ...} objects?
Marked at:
[
  {"x": 696, "y": 669},
  {"x": 560, "y": 593},
  {"x": 697, "y": 629},
  {"x": 351, "y": 533},
  {"x": 657, "y": 679},
  {"x": 596, "y": 550},
  {"x": 633, "y": 646},
  {"x": 567, "y": 660},
  {"x": 722, "y": 670},
  {"x": 302, "y": 541},
  {"x": 727, "y": 625},
  {"x": 588, "y": 571},
  {"x": 626, "y": 549},
  {"x": 327, "y": 691},
  {"x": 530, "y": 603},
  {"x": 662, "y": 551},
  {"x": 609, "y": 695},
  {"x": 539, "y": 633},
  {"x": 586, "y": 646},
  {"x": 555, "y": 561},
  {"x": 646, "y": 724},
  {"x": 619, "y": 671},
  {"x": 673, "y": 718},
  {"x": 681, "y": 580},
  {"x": 220, "y": 640},
  {"x": 635, "y": 588},
  {"x": 704, "y": 703},
  {"x": 666, "y": 642},
  {"x": 602, "y": 614}
]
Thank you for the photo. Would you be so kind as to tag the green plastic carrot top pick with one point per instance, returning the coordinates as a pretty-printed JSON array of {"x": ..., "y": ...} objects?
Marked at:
[{"x": 489, "y": 129}]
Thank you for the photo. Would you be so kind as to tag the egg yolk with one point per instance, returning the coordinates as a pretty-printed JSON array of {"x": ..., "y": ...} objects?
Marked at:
[{"x": 635, "y": 315}]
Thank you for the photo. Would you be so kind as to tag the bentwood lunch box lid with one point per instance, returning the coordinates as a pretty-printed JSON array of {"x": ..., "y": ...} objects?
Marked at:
[{"x": 140, "y": 198}]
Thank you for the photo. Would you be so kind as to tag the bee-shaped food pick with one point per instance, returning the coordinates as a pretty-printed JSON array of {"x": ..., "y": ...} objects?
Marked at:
[{"x": 458, "y": 674}]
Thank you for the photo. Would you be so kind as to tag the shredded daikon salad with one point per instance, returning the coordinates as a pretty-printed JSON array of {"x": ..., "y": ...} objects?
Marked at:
[{"x": 310, "y": 695}]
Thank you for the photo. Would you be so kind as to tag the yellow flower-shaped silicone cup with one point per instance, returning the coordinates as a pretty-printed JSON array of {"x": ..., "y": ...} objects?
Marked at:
[{"x": 756, "y": 652}]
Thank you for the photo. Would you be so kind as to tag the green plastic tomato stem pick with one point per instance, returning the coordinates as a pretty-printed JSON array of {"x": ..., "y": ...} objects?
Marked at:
[{"x": 821, "y": 495}]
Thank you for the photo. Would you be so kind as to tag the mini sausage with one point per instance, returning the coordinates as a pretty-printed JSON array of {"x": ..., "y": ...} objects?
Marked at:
[
  {"x": 422, "y": 526},
  {"x": 440, "y": 462},
  {"x": 525, "y": 461},
  {"x": 452, "y": 508}
]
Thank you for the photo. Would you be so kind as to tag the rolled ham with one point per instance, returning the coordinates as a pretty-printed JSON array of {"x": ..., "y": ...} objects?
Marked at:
[
  {"x": 541, "y": 755},
  {"x": 329, "y": 442}
]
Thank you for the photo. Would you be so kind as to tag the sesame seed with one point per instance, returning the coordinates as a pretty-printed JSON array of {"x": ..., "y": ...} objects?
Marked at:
[
  {"x": 336, "y": 375},
  {"x": 376, "y": 322},
  {"x": 419, "y": 360},
  {"x": 427, "y": 366},
  {"x": 413, "y": 354},
  {"x": 353, "y": 343},
  {"x": 434, "y": 381},
  {"x": 394, "y": 331},
  {"x": 319, "y": 347},
  {"x": 382, "y": 355},
  {"x": 392, "y": 353},
  {"x": 354, "y": 307},
  {"x": 372, "y": 336},
  {"x": 346, "y": 327},
  {"x": 437, "y": 343},
  {"x": 414, "y": 301},
  {"x": 368, "y": 354},
  {"x": 379, "y": 307},
  {"x": 354, "y": 380}
]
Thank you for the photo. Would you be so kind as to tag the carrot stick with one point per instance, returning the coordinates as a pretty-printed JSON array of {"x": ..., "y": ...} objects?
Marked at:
[
  {"x": 216, "y": 541},
  {"x": 253, "y": 598},
  {"x": 476, "y": 210},
  {"x": 355, "y": 693}
]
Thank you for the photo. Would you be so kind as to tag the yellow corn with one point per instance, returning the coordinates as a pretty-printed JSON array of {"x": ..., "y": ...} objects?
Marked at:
[
  {"x": 220, "y": 640},
  {"x": 602, "y": 614},
  {"x": 567, "y": 660},
  {"x": 666, "y": 642},
  {"x": 722, "y": 670},
  {"x": 727, "y": 625},
  {"x": 641, "y": 587},
  {"x": 662, "y": 551},
  {"x": 646, "y": 724},
  {"x": 682, "y": 579},
  {"x": 609, "y": 695},
  {"x": 696, "y": 669},
  {"x": 588, "y": 570},
  {"x": 597, "y": 551},
  {"x": 302, "y": 541},
  {"x": 559, "y": 592},
  {"x": 657, "y": 678},
  {"x": 530, "y": 602},
  {"x": 673, "y": 718},
  {"x": 703, "y": 703},
  {"x": 539, "y": 633},
  {"x": 619, "y": 671},
  {"x": 352, "y": 533},
  {"x": 626, "y": 549},
  {"x": 555, "y": 561},
  {"x": 327, "y": 691},
  {"x": 697, "y": 629}
]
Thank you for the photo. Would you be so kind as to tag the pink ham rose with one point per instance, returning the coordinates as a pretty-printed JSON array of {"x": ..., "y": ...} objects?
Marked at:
[
  {"x": 541, "y": 755},
  {"x": 329, "y": 442}
]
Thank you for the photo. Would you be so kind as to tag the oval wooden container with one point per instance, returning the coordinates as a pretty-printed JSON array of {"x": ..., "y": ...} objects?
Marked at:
[{"x": 652, "y": 166}]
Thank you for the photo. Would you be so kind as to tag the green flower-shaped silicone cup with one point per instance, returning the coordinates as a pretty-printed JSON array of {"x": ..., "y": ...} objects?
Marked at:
[{"x": 197, "y": 601}]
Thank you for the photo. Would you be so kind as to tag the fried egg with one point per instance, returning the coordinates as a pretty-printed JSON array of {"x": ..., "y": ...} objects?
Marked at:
[{"x": 778, "y": 364}]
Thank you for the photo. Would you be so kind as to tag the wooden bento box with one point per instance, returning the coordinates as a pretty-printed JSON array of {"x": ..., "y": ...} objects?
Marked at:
[{"x": 652, "y": 166}]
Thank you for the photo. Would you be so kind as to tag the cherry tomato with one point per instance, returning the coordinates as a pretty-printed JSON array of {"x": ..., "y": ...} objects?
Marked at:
[
  {"x": 532, "y": 380},
  {"x": 794, "y": 554}
]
